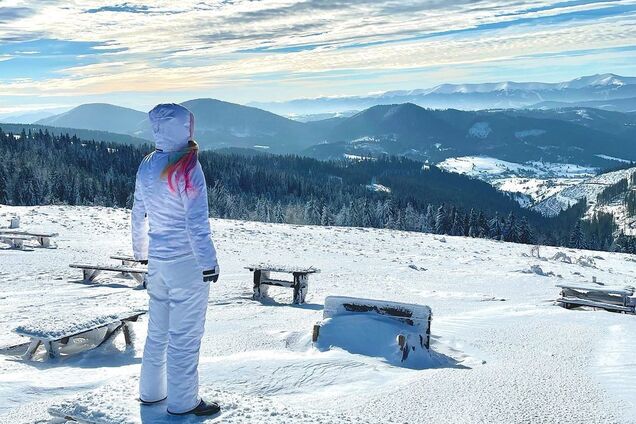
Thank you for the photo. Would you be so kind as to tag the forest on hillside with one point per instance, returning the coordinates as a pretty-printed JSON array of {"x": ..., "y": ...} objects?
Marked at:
[{"x": 42, "y": 168}]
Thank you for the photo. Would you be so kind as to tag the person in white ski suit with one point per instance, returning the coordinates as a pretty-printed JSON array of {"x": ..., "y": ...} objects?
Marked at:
[{"x": 171, "y": 231}]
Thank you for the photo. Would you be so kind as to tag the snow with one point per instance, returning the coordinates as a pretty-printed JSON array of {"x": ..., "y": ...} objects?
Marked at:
[
  {"x": 480, "y": 130},
  {"x": 529, "y": 133},
  {"x": 535, "y": 181},
  {"x": 613, "y": 158},
  {"x": 501, "y": 351},
  {"x": 378, "y": 187},
  {"x": 589, "y": 188}
]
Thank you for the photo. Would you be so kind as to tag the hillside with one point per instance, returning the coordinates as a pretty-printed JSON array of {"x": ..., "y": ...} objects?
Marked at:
[
  {"x": 494, "y": 327},
  {"x": 586, "y": 137},
  {"x": 613, "y": 201},
  {"x": 98, "y": 116},
  {"x": 424, "y": 134},
  {"x": 94, "y": 135}
]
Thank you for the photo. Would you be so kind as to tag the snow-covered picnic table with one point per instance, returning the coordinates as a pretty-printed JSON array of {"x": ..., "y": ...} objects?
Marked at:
[
  {"x": 43, "y": 238},
  {"x": 300, "y": 282},
  {"x": 618, "y": 299},
  {"x": 58, "y": 331},
  {"x": 90, "y": 272}
]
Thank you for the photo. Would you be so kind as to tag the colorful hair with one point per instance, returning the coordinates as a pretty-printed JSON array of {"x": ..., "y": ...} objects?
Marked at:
[{"x": 180, "y": 165}]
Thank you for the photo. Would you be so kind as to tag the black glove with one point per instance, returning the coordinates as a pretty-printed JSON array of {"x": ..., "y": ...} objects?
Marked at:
[
  {"x": 144, "y": 261},
  {"x": 211, "y": 275}
]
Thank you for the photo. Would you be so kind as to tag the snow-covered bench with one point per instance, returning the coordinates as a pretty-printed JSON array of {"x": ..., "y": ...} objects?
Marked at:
[
  {"x": 416, "y": 316},
  {"x": 610, "y": 298},
  {"x": 58, "y": 333},
  {"x": 300, "y": 282},
  {"x": 15, "y": 241},
  {"x": 43, "y": 238},
  {"x": 92, "y": 271}
]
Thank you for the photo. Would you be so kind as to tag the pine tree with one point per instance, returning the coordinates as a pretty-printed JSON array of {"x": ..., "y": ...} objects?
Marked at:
[
  {"x": 526, "y": 235},
  {"x": 577, "y": 238},
  {"x": 441, "y": 220},
  {"x": 411, "y": 218},
  {"x": 457, "y": 227},
  {"x": 494, "y": 227},
  {"x": 428, "y": 224},
  {"x": 473, "y": 227}
]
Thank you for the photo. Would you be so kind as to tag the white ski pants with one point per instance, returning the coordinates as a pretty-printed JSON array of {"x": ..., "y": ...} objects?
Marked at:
[{"x": 177, "y": 307}]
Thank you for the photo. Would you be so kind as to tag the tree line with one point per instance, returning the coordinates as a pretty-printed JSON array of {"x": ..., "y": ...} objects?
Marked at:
[{"x": 37, "y": 167}]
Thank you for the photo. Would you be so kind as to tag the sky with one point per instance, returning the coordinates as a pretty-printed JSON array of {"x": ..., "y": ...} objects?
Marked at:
[{"x": 59, "y": 54}]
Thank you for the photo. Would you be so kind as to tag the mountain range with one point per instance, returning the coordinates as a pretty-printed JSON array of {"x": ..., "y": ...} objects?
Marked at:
[
  {"x": 609, "y": 90},
  {"x": 575, "y": 135}
]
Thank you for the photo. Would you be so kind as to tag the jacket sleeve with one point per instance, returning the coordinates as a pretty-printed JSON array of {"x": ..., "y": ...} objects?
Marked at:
[
  {"x": 139, "y": 224},
  {"x": 195, "y": 202}
]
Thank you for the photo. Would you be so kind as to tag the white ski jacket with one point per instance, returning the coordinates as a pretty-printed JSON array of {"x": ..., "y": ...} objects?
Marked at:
[{"x": 168, "y": 225}]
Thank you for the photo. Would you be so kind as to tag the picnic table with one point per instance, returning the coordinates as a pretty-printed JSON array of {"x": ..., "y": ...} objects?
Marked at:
[
  {"x": 90, "y": 272},
  {"x": 617, "y": 299},
  {"x": 56, "y": 333},
  {"x": 44, "y": 239},
  {"x": 300, "y": 282},
  {"x": 416, "y": 317}
]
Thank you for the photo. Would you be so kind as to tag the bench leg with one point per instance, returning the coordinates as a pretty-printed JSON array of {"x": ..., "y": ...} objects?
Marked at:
[
  {"x": 33, "y": 347},
  {"x": 139, "y": 277},
  {"x": 44, "y": 241},
  {"x": 111, "y": 333},
  {"x": 90, "y": 274},
  {"x": 52, "y": 349},
  {"x": 301, "y": 284},
  {"x": 315, "y": 333},
  {"x": 260, "y": 290},
  {"x": 129, "y": 335},
  {"x": 404, "y": 346}
]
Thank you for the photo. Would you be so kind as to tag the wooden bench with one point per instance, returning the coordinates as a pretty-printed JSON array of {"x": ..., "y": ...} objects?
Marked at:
[
  {"x": 126, "y": 260},
  {"x": 417, "y": 316},
  {"x": 92, "y": 271},
  {"x": 300, "y": 282},
  {"x": 60, "y": 332},
  {"x": 44, "y": 239},
  {"x": 597, "y": 296}
]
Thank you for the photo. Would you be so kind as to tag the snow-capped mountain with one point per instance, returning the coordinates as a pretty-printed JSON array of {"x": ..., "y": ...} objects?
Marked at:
[{"x": 506, "y": 94}]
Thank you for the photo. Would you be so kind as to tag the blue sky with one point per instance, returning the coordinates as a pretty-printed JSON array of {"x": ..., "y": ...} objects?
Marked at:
[{"x": 58, "y": 54}]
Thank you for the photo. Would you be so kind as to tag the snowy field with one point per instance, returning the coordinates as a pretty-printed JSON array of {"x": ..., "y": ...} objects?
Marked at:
[
  {"x": 535, "y": 181},
  {"x": 502, "y": 352}
]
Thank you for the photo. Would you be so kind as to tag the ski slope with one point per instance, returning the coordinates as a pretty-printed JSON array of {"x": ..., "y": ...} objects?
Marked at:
[{"x": 502, "y": 352}]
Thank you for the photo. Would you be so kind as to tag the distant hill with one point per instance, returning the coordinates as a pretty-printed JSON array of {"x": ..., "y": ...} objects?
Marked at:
[
  {"x": 222, "y": 124},
  {"x": 79, "y": 133},
  {"x": 607, "y": 193},
  {"x": 98, "y": 116},
  {"x": 608, "y": 88},
  {"x": 424, "y": 134},
  {"x": 617, "y": 105}
]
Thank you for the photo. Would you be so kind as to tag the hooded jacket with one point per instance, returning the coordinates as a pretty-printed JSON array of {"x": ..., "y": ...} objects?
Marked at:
[{"x": 168, "y": 224}]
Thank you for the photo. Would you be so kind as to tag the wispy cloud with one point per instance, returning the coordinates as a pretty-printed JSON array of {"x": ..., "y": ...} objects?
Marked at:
[{"x": 89, "y": 48}]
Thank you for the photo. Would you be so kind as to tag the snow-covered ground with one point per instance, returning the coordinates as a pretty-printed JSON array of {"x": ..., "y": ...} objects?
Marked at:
[
  {"x": 529, "y": 182},
  {"x": 503, "y": 351},
  {"x": 589, "y": 189}
]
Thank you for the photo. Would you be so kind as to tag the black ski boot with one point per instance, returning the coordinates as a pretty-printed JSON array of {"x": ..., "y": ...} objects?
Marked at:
[{"x": 204, "y": 408}]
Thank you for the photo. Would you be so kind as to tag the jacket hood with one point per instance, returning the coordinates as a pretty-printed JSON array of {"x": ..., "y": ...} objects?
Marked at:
[{"x": 172, "y": 126}]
